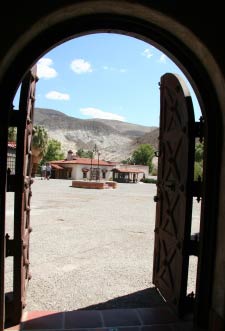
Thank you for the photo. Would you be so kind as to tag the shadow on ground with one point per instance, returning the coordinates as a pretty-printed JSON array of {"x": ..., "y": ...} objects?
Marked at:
[{"x": 147, "y": 298}]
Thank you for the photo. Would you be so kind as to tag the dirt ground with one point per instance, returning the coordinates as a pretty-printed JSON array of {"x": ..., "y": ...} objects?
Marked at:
[{"x": 91, "y": 248}]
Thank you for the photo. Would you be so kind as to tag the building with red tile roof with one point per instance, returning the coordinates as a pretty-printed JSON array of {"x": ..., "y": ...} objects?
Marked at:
[
  {"x": 78, "y": 168},
  {"x": 129, "y": 173}
]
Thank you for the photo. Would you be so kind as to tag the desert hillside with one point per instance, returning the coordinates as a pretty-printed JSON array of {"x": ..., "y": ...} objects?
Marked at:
[{"x": 115, "y": 140}]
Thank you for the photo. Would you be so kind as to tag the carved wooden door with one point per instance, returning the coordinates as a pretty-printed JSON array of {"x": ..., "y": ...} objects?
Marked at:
[
  {"x": 20, "y": 183},
  {"x": 174, "y": 192}
]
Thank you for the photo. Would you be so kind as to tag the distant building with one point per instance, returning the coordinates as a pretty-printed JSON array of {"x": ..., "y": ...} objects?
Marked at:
[
  {"x": 78, "y": 168},
  {"x": 129, "y": 173},
  {"x": 11, "y": 157}
]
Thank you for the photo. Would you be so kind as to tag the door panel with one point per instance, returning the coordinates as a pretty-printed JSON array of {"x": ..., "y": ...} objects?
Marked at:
[
  {"x": 21, "y": 185},
  {"x": 174, "y": 191}
]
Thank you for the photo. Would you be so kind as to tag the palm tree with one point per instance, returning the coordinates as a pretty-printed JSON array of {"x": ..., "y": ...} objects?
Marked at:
[
  {"x": 12, "y": 133},
  {"x": 39, "y": 146}
]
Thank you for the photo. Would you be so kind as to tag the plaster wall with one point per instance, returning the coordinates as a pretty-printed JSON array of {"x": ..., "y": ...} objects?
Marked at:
[{"x": 77, "y": 173}]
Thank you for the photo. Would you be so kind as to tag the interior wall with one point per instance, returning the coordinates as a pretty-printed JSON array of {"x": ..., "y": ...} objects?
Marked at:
[{"x": 191, "y": 34}]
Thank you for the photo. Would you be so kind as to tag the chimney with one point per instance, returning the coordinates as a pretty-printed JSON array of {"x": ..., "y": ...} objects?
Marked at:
[{"x": 69, "y": 155}]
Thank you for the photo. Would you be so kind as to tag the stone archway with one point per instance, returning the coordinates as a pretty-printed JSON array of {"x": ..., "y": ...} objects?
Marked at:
[{"x": 47, "y": 27}]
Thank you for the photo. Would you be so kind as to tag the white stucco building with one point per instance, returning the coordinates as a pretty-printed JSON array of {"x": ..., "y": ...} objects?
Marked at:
[{"x": 78, "y": 168}]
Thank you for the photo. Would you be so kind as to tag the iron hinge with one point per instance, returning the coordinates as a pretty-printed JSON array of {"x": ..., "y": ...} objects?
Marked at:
[
  {"x": 199, "y": 129},
  {"x": 10, "y": 246},
  {"x": 197, "y": 189},
  {"x": 193, "y": 247},
  {"x": 11, "y": 182}
]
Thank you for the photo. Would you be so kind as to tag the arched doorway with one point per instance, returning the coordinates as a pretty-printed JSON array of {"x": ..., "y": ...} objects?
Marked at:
[{"x": 59, "y": 24}]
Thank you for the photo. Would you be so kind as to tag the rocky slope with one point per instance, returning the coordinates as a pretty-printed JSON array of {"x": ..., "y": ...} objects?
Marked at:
[{"x": 115, "y": 140}]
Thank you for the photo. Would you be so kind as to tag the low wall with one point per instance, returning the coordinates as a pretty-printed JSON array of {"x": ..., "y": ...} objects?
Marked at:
[
  {"x": 112, "y": 184},
  {"x": 93, "y": 184}
]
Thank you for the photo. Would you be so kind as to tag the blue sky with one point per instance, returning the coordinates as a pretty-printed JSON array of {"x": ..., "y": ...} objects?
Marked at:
[{"x": 105, "y": 76}]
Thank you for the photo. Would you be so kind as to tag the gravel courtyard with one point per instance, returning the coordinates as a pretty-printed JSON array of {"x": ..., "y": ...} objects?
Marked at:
[{"x": 89, "y": 246}]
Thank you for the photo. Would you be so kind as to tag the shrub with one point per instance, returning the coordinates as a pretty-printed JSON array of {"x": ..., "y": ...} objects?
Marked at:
[
  {"x": 198, "y": 170},
  {"x": 149, "y": 180},
  {"x": 154, "y": 172}
]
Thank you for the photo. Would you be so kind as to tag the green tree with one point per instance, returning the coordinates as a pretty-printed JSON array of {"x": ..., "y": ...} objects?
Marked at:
[
  {"x": 12, "y": 133},
  {"x": 197, "y": 171},
  {"x": 144, "y": 155},
  {"x": 82, "y": 153},
  {"x": 53, "y": 152},
  {"x": 199, "y": 148},
  {"x": 198, "y": 167},
  {"x": 39, "y": 146},
  {"x": 39, "y": 140},
  {"x": 129, "y": 160}
]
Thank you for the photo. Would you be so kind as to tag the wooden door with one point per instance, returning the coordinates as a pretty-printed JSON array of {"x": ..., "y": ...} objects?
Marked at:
[{"x": 174, "y": 192}]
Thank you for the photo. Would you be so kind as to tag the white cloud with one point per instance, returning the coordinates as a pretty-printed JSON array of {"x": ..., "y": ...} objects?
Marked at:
[
  {"x": 98, "y": 113},
  {"x": 162, "y": 58},
  {"x": 122, "y": 70},
  {"x": 80, "y": 66},
  {"x": 109, "y": 68},
  {"x": 44, "y": 69},
  {"x": 54, "y": 95},
  {"x": 147, "y": 53}
]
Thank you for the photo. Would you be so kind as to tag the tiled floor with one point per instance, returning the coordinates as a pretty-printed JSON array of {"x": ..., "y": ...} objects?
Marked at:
[{"x": 143, "y": 319}]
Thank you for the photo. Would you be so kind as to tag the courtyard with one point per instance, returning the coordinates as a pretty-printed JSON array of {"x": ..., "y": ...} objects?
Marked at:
[{"x": 91, "y": 248}]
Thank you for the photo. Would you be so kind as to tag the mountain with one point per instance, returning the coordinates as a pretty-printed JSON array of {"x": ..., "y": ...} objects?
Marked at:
[
  {"x": 150, "y": 137},
  {"x": 116, "y": 140}
]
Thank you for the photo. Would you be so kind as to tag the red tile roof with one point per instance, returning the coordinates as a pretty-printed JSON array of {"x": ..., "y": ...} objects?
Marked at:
[
  {"x": 86, "y": 161},
  {"x": 12, "y": 144},
  {"x": 56, "y": 166},
  {"x": 131, "y": 170}
]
